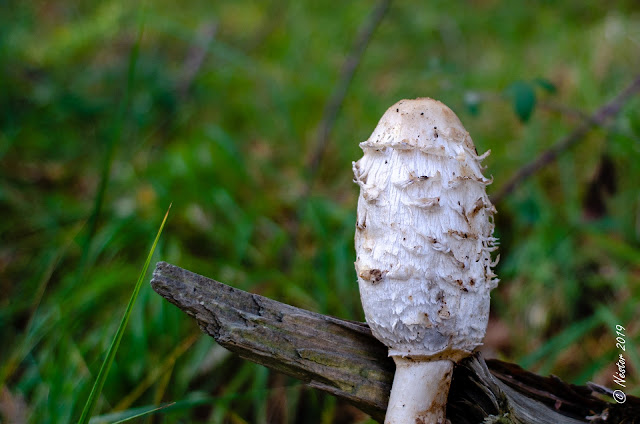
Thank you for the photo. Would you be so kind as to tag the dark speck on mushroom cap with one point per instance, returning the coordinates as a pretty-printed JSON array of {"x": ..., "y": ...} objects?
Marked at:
[{"x": 418, "y": 121}]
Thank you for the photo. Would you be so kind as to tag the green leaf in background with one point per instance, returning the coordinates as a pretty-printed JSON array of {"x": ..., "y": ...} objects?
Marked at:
[
  {"x": 111, "y": 354},
  {"x": 546, "y": 85},
  {"x": 523, "y": 98},
  {"x": 472, "y": 101}
]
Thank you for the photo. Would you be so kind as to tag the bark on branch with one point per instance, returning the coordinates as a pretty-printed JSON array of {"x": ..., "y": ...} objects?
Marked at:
[{"x": 344, "y": 359}]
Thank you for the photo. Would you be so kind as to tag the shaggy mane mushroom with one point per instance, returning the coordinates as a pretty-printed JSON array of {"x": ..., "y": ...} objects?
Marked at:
[{"x": 424, "y": 238}]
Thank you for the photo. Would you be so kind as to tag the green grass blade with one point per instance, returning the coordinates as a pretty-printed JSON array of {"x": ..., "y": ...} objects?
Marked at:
[
  {"x": 114, "y": 139},
  {"x": 142, "y": 414},
  {"x": 181, "y": 405},
  {"x": 554, "y": 346},
  {"x": 108, "y": 361}
]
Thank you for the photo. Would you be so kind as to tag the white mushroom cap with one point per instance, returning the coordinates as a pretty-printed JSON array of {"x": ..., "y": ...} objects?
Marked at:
[
  {"x": 418, "y": 123},
  {"x": 424, "y": 233}
]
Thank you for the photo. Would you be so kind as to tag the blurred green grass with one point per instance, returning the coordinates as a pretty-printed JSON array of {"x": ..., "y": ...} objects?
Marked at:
[{"x": 228, "y": 143}]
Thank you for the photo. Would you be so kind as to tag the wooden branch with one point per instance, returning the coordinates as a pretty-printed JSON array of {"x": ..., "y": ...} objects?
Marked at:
[{"x": 344, "y": 359}]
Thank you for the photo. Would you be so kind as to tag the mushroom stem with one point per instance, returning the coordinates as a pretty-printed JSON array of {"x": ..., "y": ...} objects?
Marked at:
[{"x": 419, "y": 392}]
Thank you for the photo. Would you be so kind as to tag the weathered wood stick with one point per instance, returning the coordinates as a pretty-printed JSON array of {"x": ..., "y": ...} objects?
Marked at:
[{"x": 344, "y": 359}]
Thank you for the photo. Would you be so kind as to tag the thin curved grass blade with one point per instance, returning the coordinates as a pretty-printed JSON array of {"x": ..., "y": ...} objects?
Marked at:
[{"x": 108, "y": 361}]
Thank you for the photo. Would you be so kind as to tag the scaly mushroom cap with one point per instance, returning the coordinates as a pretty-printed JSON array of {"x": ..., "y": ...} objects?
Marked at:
[{"x": 424, "y": 233}]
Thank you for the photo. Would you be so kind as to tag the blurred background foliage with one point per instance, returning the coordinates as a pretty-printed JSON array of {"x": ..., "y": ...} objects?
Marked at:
[{"x": 110, "y": 111}]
